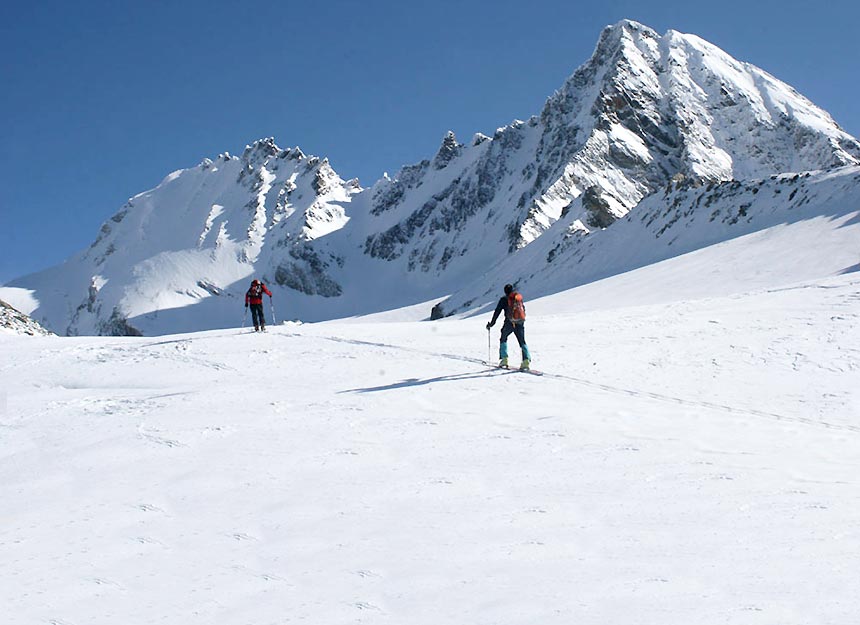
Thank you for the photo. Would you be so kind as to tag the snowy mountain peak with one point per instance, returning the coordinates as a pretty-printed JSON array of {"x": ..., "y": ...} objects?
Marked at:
[
  {"x": 623, "y": 37},
  {"x": 260, "y": 151},
  {"x": 196, "y": 235},
  {"x": 627, "y": 26},
  {"x": 646, "y": 111}
]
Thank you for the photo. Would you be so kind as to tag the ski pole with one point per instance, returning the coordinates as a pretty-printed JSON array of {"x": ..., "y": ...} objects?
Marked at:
[
  {"x": 272, "y": 304},
  {"x": 244, "y": 315},
  {"x": 489, "y": 347}
]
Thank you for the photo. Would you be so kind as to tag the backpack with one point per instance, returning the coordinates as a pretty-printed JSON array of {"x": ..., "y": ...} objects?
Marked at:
[{"x": 516, "y": 306}]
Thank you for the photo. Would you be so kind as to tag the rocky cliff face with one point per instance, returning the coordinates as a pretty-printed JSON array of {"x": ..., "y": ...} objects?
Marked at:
[{"x": 644, "y": 112}]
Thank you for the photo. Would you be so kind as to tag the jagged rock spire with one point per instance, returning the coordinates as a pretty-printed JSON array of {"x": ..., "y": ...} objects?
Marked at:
[{"x": 448, "y": 151}]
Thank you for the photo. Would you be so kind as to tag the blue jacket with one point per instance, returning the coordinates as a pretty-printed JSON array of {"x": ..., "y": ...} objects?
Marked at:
[{"x": 502, "y": 305}]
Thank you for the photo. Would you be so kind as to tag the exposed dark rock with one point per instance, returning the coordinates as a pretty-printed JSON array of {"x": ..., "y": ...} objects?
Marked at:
[
  {"x": 437, "y": 312},
  {"x": 307, "y": 274},
  {"x": 449, "y": 150},
  {"x": 210, "y": 288},
  {"x": 599, "y": 212},
  {"x": 117, "y": 325}
]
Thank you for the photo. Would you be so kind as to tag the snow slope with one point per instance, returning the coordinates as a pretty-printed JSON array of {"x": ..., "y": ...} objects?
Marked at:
[{"x": 681, "y": 461}]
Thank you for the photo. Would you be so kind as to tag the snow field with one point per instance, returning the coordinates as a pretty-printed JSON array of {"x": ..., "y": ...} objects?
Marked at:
[{"x": 681, "y": 462}]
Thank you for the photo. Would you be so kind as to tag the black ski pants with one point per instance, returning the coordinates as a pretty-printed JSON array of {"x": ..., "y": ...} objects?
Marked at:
[
  {"x": 518, "y": 330},
  {"x": 257, "y": 315}
]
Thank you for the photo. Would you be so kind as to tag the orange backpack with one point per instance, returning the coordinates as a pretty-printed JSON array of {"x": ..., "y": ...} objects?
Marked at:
[{"x": 516, "y": 306}]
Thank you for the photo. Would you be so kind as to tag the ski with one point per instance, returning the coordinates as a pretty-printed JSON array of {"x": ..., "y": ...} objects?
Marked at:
[
  {"x": 532, "y": 371},
  {"x": 514, "y": 369}
]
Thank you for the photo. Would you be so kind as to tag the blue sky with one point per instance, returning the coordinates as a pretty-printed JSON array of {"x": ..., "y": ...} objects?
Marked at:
[{"x": 101, "y": 99}]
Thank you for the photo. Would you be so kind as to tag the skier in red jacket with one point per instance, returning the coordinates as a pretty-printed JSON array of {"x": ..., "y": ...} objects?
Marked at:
[{"x": 254, "y": 298}]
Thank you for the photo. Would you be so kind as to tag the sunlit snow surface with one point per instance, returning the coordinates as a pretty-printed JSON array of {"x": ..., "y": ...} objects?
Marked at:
[{"x": 681, "y": 461}]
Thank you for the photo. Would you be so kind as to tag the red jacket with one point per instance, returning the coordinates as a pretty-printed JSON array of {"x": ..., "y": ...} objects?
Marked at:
[{"x": 255, "y": 294}]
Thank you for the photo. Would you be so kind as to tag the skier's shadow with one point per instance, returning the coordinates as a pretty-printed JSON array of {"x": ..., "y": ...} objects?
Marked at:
[{"x": 410, "y": 382}]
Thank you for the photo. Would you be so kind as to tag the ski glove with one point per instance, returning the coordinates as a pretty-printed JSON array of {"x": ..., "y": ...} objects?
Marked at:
[
  {"x": 246, "y": 305},
  {"x": 489, "y": 325}
]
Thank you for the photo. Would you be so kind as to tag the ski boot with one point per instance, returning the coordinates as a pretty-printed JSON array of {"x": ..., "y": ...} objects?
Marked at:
[
  {"x": 503, "y": 363},
  {"x": 524, "y": 366},
  {"x": 256, "y": 328}
]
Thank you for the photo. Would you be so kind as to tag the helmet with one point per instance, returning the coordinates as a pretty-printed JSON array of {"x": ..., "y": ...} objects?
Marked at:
[
  {"x": 255, "y": 282},
  {"x": 508, "y": 289}
]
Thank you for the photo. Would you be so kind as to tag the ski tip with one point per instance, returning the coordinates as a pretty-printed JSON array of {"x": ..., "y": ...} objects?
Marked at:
[{"x": 532, "y": 371}]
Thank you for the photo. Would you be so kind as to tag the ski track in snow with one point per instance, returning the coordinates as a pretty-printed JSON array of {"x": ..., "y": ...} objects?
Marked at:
[{"x": 563, "y": 377}]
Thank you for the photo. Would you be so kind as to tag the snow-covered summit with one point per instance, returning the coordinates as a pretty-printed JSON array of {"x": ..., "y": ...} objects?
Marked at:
[
  {"x": 644, "y": 112},
  {"x": 194, "y": 236},
  {"x": 647, "y": 109}
]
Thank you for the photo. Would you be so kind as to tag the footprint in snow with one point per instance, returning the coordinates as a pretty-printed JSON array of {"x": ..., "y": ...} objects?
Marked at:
[
  {"x": 723, "y": 477},
  {"x": 145, "y": 540},
  {"x": 100, "y": 581},
  {"x": 153, "y": 437},
  {"x": 145, "y": 507},
  {"x": 216, "y": 430}
]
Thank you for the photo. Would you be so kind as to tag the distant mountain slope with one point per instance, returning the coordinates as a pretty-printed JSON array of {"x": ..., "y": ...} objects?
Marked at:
[
  {"x": 644, "y": 112},
  {"x": 807, "y": 226}
]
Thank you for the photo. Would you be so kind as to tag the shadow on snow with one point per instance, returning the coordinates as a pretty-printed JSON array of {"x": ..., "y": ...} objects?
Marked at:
[{"x": 411, "y": 382}]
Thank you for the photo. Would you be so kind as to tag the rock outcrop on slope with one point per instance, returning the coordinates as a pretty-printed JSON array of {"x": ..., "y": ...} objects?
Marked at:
[{"x": 15, "y": 322}]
